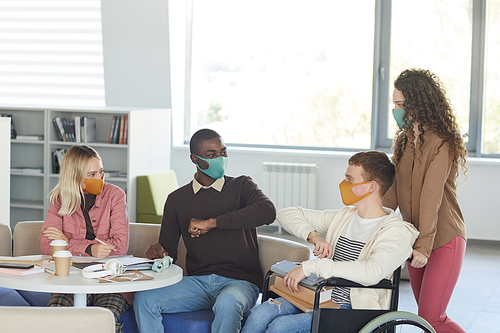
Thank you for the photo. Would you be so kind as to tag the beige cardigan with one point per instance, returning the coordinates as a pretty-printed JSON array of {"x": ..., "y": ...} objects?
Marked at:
[
  {"x": 426, "y": 192},
  {"x": 389, "y": 246}
]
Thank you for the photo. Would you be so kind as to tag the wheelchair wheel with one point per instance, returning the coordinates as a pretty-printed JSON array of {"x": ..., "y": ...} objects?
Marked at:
[{"x": 398, "y": 321}]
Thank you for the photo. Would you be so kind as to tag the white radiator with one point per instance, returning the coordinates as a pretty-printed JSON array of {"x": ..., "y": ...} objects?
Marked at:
[{"x": 290, "y": 184}]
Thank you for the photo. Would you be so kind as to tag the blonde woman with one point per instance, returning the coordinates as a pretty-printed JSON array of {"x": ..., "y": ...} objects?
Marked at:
[{"x": 83, "y": 209}]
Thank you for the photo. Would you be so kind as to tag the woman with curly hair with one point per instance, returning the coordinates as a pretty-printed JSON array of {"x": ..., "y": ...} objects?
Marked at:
[{"x": 428, "y": 151}]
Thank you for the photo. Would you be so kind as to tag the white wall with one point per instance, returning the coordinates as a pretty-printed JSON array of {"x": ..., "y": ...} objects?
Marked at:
[
  {"x": 5, "y": 170},
  {"x": 477, "y": 195},
  {"x": 136, "y": 53}
]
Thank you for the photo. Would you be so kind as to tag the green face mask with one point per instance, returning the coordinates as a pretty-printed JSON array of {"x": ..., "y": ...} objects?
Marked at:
[
  {"x": 216, "y": 166},
  {"x": 398, "y": 116}
]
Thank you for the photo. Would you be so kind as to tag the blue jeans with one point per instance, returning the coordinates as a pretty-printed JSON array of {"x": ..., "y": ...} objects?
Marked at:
[
  {"x": 279, "y": 316},
  {"x": 228, "y": 298}
]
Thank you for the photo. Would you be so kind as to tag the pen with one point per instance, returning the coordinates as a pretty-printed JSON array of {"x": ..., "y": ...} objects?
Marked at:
[
  {"x": 50, "y": 272},
  {"x": 100, "y": 241}
]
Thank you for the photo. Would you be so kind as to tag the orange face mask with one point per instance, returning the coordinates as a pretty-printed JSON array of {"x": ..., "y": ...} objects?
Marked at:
[
  {"x": 94, "y": 186},
  {"x": 348, "y": 197}
]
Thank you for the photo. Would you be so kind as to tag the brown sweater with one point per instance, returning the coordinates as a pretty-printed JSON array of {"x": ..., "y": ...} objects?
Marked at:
[
  {"x": 230, "y": 250},
  {"x": 425, "y": 191}
]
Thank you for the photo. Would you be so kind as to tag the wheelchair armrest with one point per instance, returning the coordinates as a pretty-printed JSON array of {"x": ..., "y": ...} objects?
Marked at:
[
  {"x": 383, "y": 284},
  {"x": 339, "y": 282}
]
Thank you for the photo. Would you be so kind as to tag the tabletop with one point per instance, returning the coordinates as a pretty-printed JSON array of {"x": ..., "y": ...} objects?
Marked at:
[{"x": 75, "y": 283}]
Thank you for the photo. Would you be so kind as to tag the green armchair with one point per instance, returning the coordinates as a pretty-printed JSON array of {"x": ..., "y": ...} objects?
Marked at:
[{"x": 152, "y": 191}]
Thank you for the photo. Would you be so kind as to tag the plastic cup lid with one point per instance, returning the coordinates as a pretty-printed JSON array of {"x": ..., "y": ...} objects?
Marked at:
[
  {"x": 58, "y": 242},
  {"x": 62, "y": 254}
]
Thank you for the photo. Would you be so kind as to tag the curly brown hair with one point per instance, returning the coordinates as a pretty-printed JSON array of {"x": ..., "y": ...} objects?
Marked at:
[{"x": 426, "y": 103}]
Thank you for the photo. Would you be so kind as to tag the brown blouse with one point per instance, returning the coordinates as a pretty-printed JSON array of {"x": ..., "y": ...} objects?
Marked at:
[{"x": 425, "y": 190}]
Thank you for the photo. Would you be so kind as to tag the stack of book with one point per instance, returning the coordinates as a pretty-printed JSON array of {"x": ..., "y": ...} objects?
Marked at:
[
  {"x": 28, "y": 170},
  {"x": 118, "y": 130},
  {"x": 29, "y": 137},
  {"x": 79, "y": 129},
  {"x": 304, "y": 298},
  {"x": 19, "y": 269}
]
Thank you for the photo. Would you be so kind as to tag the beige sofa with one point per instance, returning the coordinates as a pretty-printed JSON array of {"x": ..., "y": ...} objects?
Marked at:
[
  {"x": 17, "y": 319},
  {"x": 142, "y": 235},
  {"x": 5, "y": 241}
]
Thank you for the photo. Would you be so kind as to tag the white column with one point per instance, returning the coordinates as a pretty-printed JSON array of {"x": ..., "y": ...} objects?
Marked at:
[{"x": 5, "y": 170}]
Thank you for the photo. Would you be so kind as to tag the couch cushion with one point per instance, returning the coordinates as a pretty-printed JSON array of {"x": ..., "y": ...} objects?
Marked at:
[
  {"x": 183, "y": 322},
  {"x": 152, "y": 191},
  {"x": 5, "y": 241}
]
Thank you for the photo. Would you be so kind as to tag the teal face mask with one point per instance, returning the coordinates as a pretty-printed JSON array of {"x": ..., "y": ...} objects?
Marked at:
[
  {"x": 398, "y": 116},
  {"x": 216, "y": 166}
]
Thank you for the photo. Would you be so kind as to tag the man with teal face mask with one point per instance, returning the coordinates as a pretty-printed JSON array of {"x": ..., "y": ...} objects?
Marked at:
[{"x": 216, "y": 215}]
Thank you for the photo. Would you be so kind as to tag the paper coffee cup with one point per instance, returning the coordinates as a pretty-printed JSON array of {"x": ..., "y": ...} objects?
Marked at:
[
  {"x": 63, "y": 262},
  {"x": 58, "y": 245}
]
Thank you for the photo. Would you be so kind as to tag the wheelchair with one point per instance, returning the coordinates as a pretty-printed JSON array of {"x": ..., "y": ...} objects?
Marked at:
[{"x": 363, "y": 321}]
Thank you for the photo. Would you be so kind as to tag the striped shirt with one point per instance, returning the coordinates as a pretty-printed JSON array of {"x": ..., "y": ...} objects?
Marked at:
[{"x": 349, "y": 246}]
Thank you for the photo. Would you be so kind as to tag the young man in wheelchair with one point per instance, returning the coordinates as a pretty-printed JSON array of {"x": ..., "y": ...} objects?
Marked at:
[{"x": 363, "y": 242}]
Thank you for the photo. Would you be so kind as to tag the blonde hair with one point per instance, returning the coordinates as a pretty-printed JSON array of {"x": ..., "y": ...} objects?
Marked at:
[{"x": 74, "y": 169}]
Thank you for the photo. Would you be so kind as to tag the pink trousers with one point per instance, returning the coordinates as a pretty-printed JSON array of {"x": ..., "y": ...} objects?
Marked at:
[{"x": 433, "y": 284}]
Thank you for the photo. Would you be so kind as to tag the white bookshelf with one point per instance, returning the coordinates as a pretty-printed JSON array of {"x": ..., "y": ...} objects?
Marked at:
[{"x": 147, "y": 151}]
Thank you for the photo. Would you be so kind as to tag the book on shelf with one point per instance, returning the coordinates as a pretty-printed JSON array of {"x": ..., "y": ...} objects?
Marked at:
[
  {"x": 120, "y": 135},
  {"x": 116, "y": 130},
  {"x": 57, "y": 157},
  {"x": 82, "y": 129},
  {"x": 33, "y": 137},
  {"x": 125, "y": 131},
  {"x": 27, "y": 170},
  {"x": 55, "y": 164},
  {"x": 67, "y": 129},
  {"x": 112, "y": 129},
  {"x": 78, "y": 136},
  {"x": 71, "y": 123},
  {"x": 89, "y": 128},
  {"x": 283, "y": 267},
  {"x": 22, "y": 272},
  {"x": 61, "y": 134}
]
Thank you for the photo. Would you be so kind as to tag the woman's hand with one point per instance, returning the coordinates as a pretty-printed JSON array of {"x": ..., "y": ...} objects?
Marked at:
[
  {"x": 419, "y": 260},
  {"x": 293, "y": 278},
  {"x": 322, "y": 249},
  {"x": 101, "y": 250},
  {"x": 53, "y": 233}
]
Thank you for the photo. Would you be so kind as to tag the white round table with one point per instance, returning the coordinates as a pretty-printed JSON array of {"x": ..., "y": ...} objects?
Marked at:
[{"x": 76, "y": 284}]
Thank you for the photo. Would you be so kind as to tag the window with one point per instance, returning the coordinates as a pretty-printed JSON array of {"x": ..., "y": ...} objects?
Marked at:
[
  {"x": 321, "y": 75},
  {"x": 437, "y": 36},
  {"x": 491, "y": 123},
  {"x": 51, "y": 53},
  {"x": 283, "y": 73}
]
